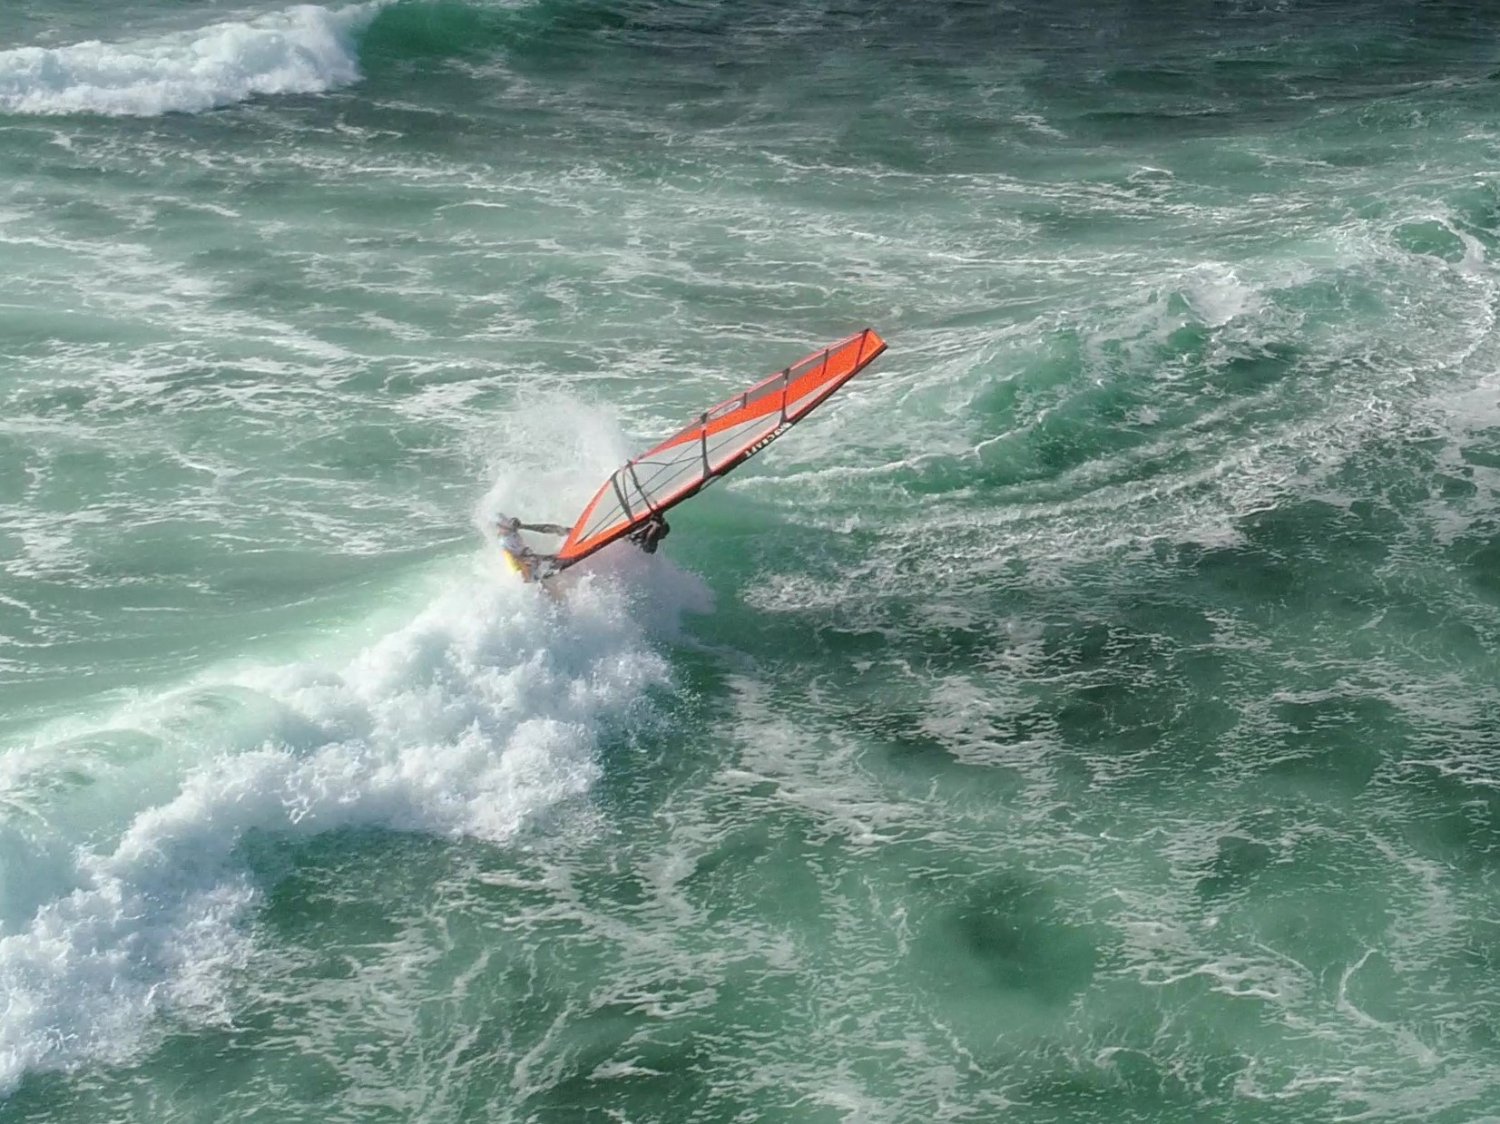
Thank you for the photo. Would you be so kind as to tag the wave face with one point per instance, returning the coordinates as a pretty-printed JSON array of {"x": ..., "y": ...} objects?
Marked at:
[{"x": 302, "y": 50}]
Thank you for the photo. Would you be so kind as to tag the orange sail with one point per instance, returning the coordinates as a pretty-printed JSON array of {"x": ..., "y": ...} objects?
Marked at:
[{"x": 719, "y": 440}]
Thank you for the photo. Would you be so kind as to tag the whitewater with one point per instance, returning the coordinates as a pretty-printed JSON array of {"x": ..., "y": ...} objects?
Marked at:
[
  {"x": 1087, "y": 714},
  {"x": 306, "y": 49}
]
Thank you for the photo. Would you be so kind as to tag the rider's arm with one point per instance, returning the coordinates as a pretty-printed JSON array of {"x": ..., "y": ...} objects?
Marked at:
[{"x": 546, "y": 528}]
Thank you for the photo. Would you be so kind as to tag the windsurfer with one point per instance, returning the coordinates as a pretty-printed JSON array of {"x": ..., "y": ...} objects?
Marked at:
[
  {"x": 520, "y": 557},
  {"x": 648, "y": 535},
  {"x": 533, "y": 566},
  {"x": 630, "y": 503}
]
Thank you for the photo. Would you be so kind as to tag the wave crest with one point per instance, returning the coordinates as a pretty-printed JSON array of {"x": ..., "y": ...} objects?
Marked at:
[{"x": 302, "y": 50}]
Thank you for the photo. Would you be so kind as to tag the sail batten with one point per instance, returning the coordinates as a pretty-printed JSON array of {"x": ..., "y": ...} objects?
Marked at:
[{"x": 719, "y": 440}]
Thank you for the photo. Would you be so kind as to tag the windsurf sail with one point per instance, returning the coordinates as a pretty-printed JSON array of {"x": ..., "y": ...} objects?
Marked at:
[{"x": 717, "y": 441}]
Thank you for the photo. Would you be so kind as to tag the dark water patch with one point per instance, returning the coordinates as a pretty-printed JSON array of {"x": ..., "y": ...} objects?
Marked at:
[
  {"x": 1460, "y": 487},
  {"x": 1334, "y": 745},
  {"x": 15, "y": 456},
  {"x": 230, "y": 260},
  {"x": 1167, "y": 1079},
  {"x": 309, "y": 900},
  {"x": 1147, "y": 79},
  {"x": 274, "y": 577},
  {"x": 1477, "y": 554},
  {"x": 1419, "y": 624},
  {"x": 45, "y": 328},
  {"x": 44, "y": 1097},
  {"x": 1370, "y": 155},
  {"x": 1281, "y": 563},
  {"x": 1234, "y": 867},
  {"x": 549, "y": 37},
  {"x": 849, "y": 631},
  {"x": 321, "y": 890},
  {"x": 1128, "y": 75},
  {"x": 1251, "y": 372},
  {"x": 1083, "y": 429},
  {"x": 1056, "y": 360},
  {"x": 1483, "y": 447},
  {"x": 57, "y": 401},
  {"x": 206, "y": 1072},
  {"x": 1147, "y": 683},
  {"x": 424, "y": 31},
  {"x": 1140, "y": 720},
  {"x": 814, "y": 638},
  {"x": 553, "y": 36},
  {"x": 1114, "y": 126},
  {"x": 1006, "y": 936},
  {"x": 716, "y": 871},
  {"x": 1072, "y": 646},
  {"x": 899, "y": 730},
  {"x": 182, "y": 387},
  {"x": 330, "y": 928},
  {"x": 1315, "y": 896},
  {"x": 1481, "y": 950},
  {"x": 1090, "y": 426},
  {"x": 374, "y": 452},
  {"x": 77, "y": 477},
  {"x": 773, "y": 872},
  {"x": 681, "y": 1079},
  {"x": 1081, "y": 401},
  {"x": 951, "y": 647},
  {"x": 975, "y": 758},
  {"x": 1449, "y": 811},
  {"x": 1111, "y": 719},
  {"x": 1464, "y": 836},
  {"x": 1263, "y": 584},
  {"x": 1430, "y": 239},
  {"x": 1335, "y": 297},
  {"x": 1476, "y": 211},
  {"x": 1377, "y": 988},
  {"x": 1369, "y": 530}
]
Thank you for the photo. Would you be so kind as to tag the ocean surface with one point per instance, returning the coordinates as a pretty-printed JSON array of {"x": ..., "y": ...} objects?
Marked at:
[{"x": 1091, "y": 714}]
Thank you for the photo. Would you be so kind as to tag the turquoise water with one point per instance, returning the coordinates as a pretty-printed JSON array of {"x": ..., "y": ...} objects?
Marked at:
[{"x": 1090, "y": 714}]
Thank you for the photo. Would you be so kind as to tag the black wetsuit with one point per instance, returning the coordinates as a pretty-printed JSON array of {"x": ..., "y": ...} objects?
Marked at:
[{"x": 648, "y": 537}]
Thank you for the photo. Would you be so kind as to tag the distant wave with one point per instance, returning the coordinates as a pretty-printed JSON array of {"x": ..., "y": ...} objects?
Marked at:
[{"x": 302, "y": 50}]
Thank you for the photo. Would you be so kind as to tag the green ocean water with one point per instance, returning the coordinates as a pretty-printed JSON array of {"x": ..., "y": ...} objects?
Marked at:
[{"x": 1090, "y": 714}]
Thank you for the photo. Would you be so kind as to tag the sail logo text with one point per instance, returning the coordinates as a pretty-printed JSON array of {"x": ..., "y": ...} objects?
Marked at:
[{"x": 767, "y": 439}]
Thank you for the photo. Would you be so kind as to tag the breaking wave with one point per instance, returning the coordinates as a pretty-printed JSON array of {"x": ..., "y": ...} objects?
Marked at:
[
  {"x": 473, "y": 719},
  {"x": 301, "y": 50}
]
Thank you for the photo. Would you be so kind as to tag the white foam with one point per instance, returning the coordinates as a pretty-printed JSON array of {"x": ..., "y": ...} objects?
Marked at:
[
  {"x": 472, "y": 719},
  {"x": 302, "y": 50},
  {"x": 1217, "y": 295}
]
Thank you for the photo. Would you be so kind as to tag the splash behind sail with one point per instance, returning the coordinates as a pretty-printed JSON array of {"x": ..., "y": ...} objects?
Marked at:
[{"x": 718, "y": 441}]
